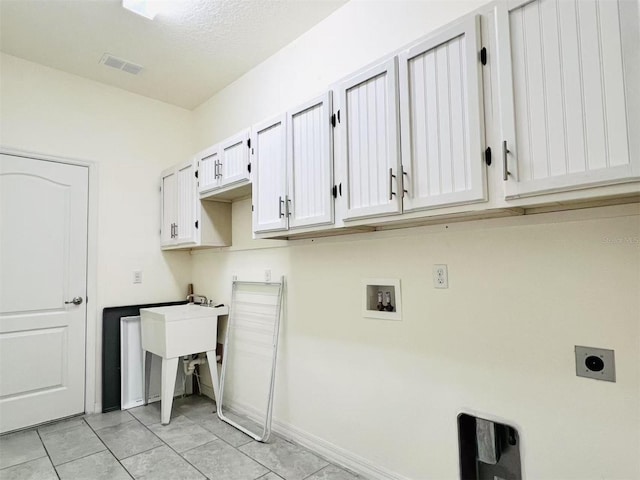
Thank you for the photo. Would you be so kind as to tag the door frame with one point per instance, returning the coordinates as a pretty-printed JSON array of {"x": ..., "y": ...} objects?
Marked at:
[{"x": 91, "y": 326}]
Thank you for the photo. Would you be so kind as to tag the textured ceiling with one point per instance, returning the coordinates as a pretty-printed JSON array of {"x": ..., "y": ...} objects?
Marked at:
[{"x": 191, "y": 50}]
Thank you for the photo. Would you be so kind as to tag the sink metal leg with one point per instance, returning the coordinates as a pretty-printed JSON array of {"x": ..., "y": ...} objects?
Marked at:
[
  {"x": 147, "y": 374},
  {"x": 213, "y": 369},
  {"x": 169, "y": 372}
]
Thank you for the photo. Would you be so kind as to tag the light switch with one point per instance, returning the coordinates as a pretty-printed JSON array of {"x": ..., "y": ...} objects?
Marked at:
[{"x": 137, "y": 276}]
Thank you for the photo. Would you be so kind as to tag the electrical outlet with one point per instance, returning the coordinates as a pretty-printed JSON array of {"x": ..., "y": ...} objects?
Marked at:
[
  {"x": 235, "y": 278},
  {"x": 596, "y": 363},
  {"x": 440, "y": 276},
  {"x": 137, "y": 276},
  {"x": 267, "y": 275}
]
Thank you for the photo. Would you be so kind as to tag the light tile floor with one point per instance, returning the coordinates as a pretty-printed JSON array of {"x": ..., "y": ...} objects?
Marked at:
[{"x": 133, "y": 444}]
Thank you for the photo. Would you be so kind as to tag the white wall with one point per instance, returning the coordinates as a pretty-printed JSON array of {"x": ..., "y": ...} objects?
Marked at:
[
  {"x": 499, "y": 341},
  {"x": 131, "y": 139}
]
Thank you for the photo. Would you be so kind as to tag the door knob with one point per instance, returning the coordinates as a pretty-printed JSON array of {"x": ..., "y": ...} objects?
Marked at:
[{"x": 75, "y": 301}]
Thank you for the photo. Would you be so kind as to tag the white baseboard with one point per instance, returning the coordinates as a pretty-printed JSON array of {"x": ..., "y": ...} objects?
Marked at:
[
  {"x": 328, "y": 450},
  {"x": 207, "y": 390}
]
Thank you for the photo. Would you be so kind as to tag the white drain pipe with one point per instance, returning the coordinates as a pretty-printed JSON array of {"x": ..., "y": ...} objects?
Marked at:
[{"x": 189, "y": 365}]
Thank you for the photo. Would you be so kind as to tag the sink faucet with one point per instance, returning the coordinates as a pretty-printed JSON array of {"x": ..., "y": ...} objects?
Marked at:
[{"x": 199, "y": 299}]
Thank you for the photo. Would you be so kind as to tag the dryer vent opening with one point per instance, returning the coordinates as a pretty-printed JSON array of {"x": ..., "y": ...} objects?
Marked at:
[{"x": 488, "y": 450}]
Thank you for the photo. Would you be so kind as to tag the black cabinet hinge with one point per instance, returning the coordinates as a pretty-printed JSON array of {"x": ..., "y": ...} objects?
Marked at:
[
  {"x": 248, "y": 143},
  {"x": 334, "y": 191},
  {"x": 252, "y": 208},
  {"x": 483, "y": 55},
  {"x": 338, "y": 116},
  {"x": 196, "y": 223},
  {"x": 196, "y": 173},
  {"x": 249, "y": 167},
  {"x": 340, "y": 188},
  {"x": 333, "y": 120},
  {"x": 487, "y": 156}
]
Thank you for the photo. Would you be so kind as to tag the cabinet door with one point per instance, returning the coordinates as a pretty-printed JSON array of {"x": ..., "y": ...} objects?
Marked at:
[
  {"x": 569, "y": 100},
  {"x": 234, "y": 154},
  {"x": 269, "y": 181},
  {"x": 168, "y": 191},
  {"x": 208, "y": 169},
  {"x": 310, "y": 163},
  {"x": 370, "y": 147},
  {"x": 186, "y": 201},
  {"x": 441, "y": 119}
]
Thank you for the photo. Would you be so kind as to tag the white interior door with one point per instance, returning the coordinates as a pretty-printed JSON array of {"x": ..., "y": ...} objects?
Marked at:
[{"x": 43, "y": 267}]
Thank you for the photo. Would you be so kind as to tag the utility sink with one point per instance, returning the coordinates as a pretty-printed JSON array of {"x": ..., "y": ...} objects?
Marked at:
[{"x": 173, "y": 332}]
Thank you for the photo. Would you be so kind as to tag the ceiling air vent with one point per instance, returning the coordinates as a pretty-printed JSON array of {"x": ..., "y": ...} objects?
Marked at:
[{"x": 120, "y": 64}]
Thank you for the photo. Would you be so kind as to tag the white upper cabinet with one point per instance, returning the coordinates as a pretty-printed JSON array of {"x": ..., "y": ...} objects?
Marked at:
[
  {"x": 569, "y": 75},
  {"x": 186, "y": 230},
  {"x": 209, "y": 169},
  {"x": 224, "y": 169},
  {"x": 441, "y": 119},
  {"x": 234, "y": 153},
  {"x": 179, "y": 205},
  {"x": 293, "y": 169},
  {"x": 310, "y": 163},
  {"x": 269, "y": 174},
  {"x": 168, "y": 200},
  {"x": 369, "y": 143},
  {"x": 186, "y": 221}
]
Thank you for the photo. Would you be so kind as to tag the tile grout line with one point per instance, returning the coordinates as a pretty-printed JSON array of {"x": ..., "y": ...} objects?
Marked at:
[
  {"x": 237, "y": 449},
  {"x": 169, "y": 446},
  {"x": 22, "y": 463},
  {"x": 47, "y": 452},
  {"x": 217, "y": 438},
  {"x": 320, "y": 456},
  {"x": 270, "y": 470},
  {"x": 107, "y": 447},
  {"x": 220, "y": 438},
  {"x": 311, "y": 475}
]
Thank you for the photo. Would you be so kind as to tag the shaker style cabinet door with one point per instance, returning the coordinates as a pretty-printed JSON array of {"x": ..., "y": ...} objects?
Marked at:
[
  {"x": 569, "y": 75},
  {"x": 168, "y": 192},
  {"x": 234, "y": 153},
  {"x": 310, "y": 163},
  {"x": 269, "y": 190},
  {"x": 441, "y": 119},
  {"x": 187, "y": 204},
  {"x": 179, "y": 205},
  {"x": 209, "y": 169},
  {"x": 370, "y": 150}
]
